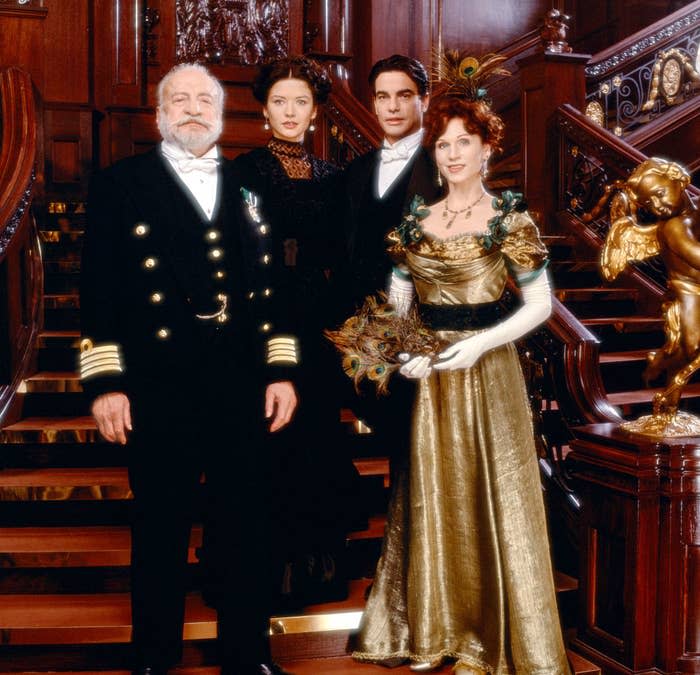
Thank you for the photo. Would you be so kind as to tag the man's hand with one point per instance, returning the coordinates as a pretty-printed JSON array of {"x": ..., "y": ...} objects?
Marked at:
[
  {"x": 112, "y": 412},
  {"x": 280, "y": 404}
]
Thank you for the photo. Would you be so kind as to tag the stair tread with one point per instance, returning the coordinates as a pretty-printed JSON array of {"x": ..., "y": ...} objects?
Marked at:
[
  {"x": 337, "y": 665},
  {"x": 634, "y": 320},
  {"x": 74, "y": 422},
  {"x": 620, "y": 357},
  {"x": 64, "y": 477},
  {"x": 346, "y": 665},
  {"x": 62, "y": 333},
  {"x": 48, "y": 375},
  {"x": 87, "y": 618},
  {"x": 597, "y": 289},
  {"x": 646, "y": 395}
]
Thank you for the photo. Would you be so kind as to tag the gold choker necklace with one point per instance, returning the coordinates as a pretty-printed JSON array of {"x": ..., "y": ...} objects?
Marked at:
[{"x": 467, "y": 210}]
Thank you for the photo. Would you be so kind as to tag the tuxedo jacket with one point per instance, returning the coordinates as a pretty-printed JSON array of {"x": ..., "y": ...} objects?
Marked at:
[
  {"x": 170, "y": 298},
  {"x": 368, "y": 218}
]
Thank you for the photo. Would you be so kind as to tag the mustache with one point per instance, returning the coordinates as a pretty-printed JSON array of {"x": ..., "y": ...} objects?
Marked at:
[{"x": 190, "y": 119}]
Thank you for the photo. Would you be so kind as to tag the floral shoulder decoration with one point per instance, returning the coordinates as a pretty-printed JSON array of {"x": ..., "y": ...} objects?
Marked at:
[
  {"x": 497, "y": 228},
  {"x": 410, "y": 230},
  {"x": 371, "y": 340}
]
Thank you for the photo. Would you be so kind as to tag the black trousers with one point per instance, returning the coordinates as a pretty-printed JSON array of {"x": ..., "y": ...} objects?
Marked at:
[{"x": 178, "y": 438}]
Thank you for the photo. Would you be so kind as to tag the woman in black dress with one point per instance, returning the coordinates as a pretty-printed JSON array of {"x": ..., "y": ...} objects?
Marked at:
[{"x": 295, "y": 190}]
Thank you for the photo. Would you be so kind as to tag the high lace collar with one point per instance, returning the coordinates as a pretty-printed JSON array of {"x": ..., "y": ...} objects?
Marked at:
[{"x": 293, "y": 157}]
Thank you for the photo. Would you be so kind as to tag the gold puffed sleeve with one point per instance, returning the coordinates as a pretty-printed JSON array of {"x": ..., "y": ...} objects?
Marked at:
[
  {"x": 395, "y": 247},
  {"x": 522, "y": 245}
]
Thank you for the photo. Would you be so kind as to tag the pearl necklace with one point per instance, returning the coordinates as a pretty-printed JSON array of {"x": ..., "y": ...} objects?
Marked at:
[{"x": 467, "y": 210}]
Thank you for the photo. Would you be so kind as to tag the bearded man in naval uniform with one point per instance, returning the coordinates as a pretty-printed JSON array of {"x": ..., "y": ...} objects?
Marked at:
[{"x": 187, "y": 356}]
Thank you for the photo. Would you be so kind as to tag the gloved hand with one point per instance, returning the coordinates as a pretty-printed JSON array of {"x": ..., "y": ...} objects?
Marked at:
[
  {"x": 416, "y": 367},
  {"x": 537, "y": 306},
  {"x": 401, "y": 291}
]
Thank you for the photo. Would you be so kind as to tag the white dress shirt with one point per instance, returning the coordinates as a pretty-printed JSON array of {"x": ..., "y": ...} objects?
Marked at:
[
  {"x": 393, "y": 159},
  {"x": 199, "y": 174}
]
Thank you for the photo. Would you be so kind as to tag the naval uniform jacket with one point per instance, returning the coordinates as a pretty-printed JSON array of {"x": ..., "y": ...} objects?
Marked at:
[
  {"x": 152, "y": 262},
  {"x": 368, "y": 218}
]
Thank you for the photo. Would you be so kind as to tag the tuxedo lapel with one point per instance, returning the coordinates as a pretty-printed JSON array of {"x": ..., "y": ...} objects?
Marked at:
[{"x": 423, "y": 179}]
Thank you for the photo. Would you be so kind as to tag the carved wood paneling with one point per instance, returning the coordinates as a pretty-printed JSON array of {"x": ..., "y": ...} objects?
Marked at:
[
  {"x": 67, "y": 70},
  {"x": 235, "y": 31},
  {"x": 25, "y": 49},
  {"x": 68, "y": 146},
  {"x": 118, "y": 52},
  {"x": 641, "y": 506}
]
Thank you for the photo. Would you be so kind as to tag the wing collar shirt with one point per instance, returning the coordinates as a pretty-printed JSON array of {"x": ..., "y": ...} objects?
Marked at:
[
  {"x": 393, "y": 159},
  {"x": 199, "y": 174}
]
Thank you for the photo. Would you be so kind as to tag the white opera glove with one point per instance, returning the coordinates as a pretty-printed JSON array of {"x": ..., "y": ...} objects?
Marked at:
[
  {"x": 537, "y": 306},
  {"x": 401, "y": 291},
  {"x": 415, "y": 367}
]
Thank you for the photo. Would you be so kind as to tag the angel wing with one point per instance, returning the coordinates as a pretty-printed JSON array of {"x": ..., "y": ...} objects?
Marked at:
[{"x": 626, "y": 240}]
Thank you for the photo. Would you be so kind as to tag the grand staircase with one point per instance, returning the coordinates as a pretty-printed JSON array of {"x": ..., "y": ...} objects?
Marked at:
[{"x": 66, "y": 505}]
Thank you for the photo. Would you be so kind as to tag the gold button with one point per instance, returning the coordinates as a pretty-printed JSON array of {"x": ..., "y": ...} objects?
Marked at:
[
  {"x": 212, "y": 235},
  {"x": 263, "y": 229},
  {"x": 150, "y": 263},
  {"x": 157, "y": 297},
  {"x": 267, "y": 292},
  {"x": 163, "y": 333},
  {"x": 222, "y": 318},
  {"x": 141, "y": 229},
  {"x": 266, "y": 259},
  {"x": 216, "y": 253},
  {"x": 219, "y": 274},
  {"x": 266, "y": 327},
  {"x": 221, "y": 297}
]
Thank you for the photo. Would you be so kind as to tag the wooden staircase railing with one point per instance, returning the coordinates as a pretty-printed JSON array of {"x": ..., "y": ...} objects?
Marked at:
[
  {"x": 20, "y": 254},
  {"x": 628, "y": 85}
]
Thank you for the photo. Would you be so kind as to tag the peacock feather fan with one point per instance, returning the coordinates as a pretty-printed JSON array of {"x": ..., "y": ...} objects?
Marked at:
[
  {"x": 463, "y": 75},
  {"x": 371, "y": 340}
]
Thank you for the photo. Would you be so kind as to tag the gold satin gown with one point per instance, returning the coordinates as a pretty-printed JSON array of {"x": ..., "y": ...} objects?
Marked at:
[{"x": 465, "y": 570}]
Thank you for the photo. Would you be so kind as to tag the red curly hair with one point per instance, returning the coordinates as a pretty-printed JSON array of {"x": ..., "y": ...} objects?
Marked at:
[{"x": 478, "y": 119}]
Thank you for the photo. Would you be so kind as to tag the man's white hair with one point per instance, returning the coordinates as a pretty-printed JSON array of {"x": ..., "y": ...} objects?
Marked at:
[{"x": 218, "y": 89}]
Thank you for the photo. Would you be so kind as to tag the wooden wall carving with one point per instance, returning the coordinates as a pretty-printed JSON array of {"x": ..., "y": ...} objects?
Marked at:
[{"x": 247, "y": 32}]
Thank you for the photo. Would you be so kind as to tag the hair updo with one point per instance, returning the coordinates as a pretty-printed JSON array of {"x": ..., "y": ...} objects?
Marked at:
[
  {"x": 297, "y": 67},
  {"x": 477, "y": 116}
]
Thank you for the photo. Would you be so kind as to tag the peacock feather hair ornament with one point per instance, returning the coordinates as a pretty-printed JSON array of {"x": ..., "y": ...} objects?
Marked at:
[
  {"x": 371, "y": 340},
  {"x": 462, "y": 75}
]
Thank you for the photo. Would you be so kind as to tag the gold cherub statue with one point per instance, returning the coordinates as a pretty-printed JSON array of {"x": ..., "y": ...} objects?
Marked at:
[{"x": 652, "y": 214}]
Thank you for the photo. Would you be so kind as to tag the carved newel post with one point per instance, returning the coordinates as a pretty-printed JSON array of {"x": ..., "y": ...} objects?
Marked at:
[
  {"x": 549, "y": 78},
  {"x": 640, "y": 480}
]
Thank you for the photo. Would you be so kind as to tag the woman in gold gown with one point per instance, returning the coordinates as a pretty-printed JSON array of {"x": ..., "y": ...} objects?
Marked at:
[{"x": 465, "y": 572}]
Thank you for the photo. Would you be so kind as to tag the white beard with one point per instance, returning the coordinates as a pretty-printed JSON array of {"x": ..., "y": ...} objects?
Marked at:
[{"x": 190, "y": 141}]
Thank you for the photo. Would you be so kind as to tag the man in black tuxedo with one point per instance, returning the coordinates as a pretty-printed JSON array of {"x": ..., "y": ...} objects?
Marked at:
[
  {"x": 186, "y": 351},
  {"x": 379, "y": 187}
]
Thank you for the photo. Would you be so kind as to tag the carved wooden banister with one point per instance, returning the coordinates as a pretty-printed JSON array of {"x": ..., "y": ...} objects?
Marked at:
[
  {"x": 20, "y": 256},
  {"x": 589, "y": 158},
  {"x": 351, "y": 129}
]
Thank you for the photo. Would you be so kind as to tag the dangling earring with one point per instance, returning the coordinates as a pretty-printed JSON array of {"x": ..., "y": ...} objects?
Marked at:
[
  {"x": 312, "y": 126},
  {"x": 439, "y": 178},
  {"x": 484, "y": 167},
  {"x": 266, "y": 126}
]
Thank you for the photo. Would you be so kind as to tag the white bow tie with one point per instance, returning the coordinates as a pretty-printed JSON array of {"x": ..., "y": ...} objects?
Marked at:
[
  {"x": 205, "y": 164},
  {"x": 398, "y": 151}
]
